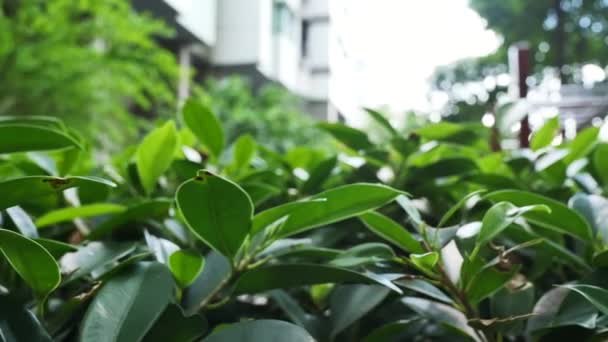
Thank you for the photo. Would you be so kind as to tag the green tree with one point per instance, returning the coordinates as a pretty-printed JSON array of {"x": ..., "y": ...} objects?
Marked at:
[
  {"x": 272, "y": 115},
  {"x": 92, "y": 63}
]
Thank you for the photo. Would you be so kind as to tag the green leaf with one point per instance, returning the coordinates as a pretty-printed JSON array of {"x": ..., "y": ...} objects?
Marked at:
[
  {"x": 596, "y": 296},
  {"x": 260, "y": 330},
  {"x": 500, "y": 216},
  {"x": 31, "y": 261},
  {"x": 561, "y": 219},
  {"x": 296, "y": 314},
  {"x": 424, "y": 288},
  {"x": 381, "y": 120},
  {"x": 365, "y": 253},
  {"x": 440, "y": 130},
  {"x": 544, "y": 136},
  {"x": 319, "y": 175},
  {"x": 186, "y": 266},
  {"x": 95, "y": 255},
  {"x": 446, "y": 217},
  {"x": 594, "y": 209},
  {"x": 56, "y": 248},
  {"x": 340, "y": 203},
  {"x": 17, "y": 323},
  {"x": 425, "y": 262},
  {"x": 145, "y": 210},
  {"x": 442, "y": 314},
  {"x": 560, "y": 307},
  {"x": 292, "y": 275},
  {"x": 69, "y": 214},
  {"x": 217, "y": 270},
  {"x": 600, "y": 163},
  {"x": 391, "y": 332},
  {"x": 583, "y": 144},
  {"x": 155, "y": 154},
  {"x": 205, "y": 125},
  {"x": 272, "y": 215},
  {"x": 22, "y": 138},
  {"x": 22, "y": 221},
  {"x": 351, "y": 137},
  {"x": 173, "y": 326},
  {"x": 391, "y": 231},
  {"x": 485, "y": 283},
  {"x": 127, "y": 306},
  {"x": 243, "y": 152},
  {"x": 217, "y": 211},
  {"x": 24, "y": 190},
  {"x": 349, "y": 303}
]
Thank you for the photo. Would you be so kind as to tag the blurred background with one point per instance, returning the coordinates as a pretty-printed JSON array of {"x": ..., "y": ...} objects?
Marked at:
[{"x": 273, "y": 67}]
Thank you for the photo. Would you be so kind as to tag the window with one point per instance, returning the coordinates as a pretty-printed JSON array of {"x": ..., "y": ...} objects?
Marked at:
[
  {"x": 283, "y": 18},
  {"x": 304, "y": 39}
]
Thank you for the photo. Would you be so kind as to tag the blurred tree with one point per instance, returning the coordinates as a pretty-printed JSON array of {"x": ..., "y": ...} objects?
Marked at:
[
  {"x": 562, "y": 34},
  {"x": 272, "y": 115},
  {"x": 89, "y": 62}
]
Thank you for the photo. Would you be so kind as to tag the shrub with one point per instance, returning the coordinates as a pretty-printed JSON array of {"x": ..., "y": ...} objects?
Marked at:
[{"x": 424, "y": 236}]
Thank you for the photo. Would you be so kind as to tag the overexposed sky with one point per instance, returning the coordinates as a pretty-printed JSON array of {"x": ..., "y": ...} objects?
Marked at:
[{"x": 384, "y": 51}]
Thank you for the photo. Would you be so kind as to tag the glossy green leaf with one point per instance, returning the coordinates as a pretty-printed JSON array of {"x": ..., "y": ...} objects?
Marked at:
[
  {"x": 31, "y": 261},
  {"x": 217, "y": 270},
  {"x": 272, "y": 215},
  {"x": 145, "y": 210},
  {"x": 561, "y": 219},
  {"x": 218, "y": 211},
  {"x": 340, "y": 203},
  {"x": 461, "y": 203},
  {"x": 25, "y": 137},
  {"x": 155, "y": 154},
  {"x": 442, "y": 314},
  {"x": 260, "y": 330},
  {"x": 296, "y": 313},
  {"x": 127, "y": 306},
  {"x": 381, "y": 120},
  {"x": 173, "y": 326},
  {"x": 205, "y": 125},
  {"x": 500, "y": 216},
  {"x": 425, "y": 262},
  {"x": 95, "y": 255},
  {"x": 22, "y": 221},
  {"x": 186, "y": 266},
  {"x": 349, "y": 303},
  {"x": 243, "y": 152},
  {"x": 594, "y": 209},
  {"x": 22, "y": 190},
  {"x": 582, "y": 144},
  {"x": 391, "y": 231},
  {"x": 56, "y": 248},
  {"x": 424, "y": 288},
  {"x": 69, "y": 214},
  {"x": 561, "y": 307},
  {"x": 391, "y": 332},
  {"x": 319, "y": 175},
  {"x": 485, "y": 283},
  {"x": 351, "y": 137},
  {"x": 600, "y": 162},
  {"x": 596, "y": 296},
  {"x": 544, "y": 136},
  {"x": 18, "y": 324},
  {"x": 292, "y": 275},
  {"x": 440, "y": 130},
  {"x": 365, "y": 253}
]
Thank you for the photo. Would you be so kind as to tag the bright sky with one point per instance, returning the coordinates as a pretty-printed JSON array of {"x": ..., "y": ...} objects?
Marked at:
[{"x": 393, "y": 46}]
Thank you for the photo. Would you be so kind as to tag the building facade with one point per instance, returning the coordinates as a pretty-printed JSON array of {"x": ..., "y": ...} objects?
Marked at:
[{"x": 280, "y": 41}]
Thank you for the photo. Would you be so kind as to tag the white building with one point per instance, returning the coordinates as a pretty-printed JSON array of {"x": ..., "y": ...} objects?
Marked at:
[{"x": 283, "y": 41}]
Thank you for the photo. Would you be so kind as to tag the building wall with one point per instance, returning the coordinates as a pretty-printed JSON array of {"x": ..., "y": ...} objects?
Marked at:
[{"x": 238, "y": 24}]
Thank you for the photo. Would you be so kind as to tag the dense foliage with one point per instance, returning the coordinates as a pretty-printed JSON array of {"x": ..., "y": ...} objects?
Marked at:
[
  {"x": 426, "y": 235},
  {"x": 271, "y": 114},
  {"x": 93, "y": 63}
]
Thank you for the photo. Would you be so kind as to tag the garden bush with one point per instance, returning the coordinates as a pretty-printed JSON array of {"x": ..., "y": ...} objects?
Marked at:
[{"x": 424, "y": 236}]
